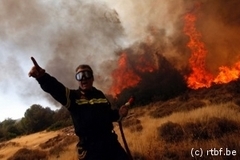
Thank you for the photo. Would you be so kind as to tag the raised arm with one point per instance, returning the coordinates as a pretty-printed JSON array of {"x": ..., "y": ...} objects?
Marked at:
[
  {"x": 36, "y": 70},
  {"x": 50, "y": 84}
]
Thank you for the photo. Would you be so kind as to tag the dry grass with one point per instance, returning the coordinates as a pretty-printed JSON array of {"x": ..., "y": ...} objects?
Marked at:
[
  {"x": 32, "y": 141},
  {"x": 42, "y": 145},
  {"x": 29, "y": 154},
  {"x": 171, "y": 136}
]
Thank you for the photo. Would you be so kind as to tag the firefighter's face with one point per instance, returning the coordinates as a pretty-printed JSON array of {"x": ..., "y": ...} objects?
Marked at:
[{"x": 84, "y": 78}]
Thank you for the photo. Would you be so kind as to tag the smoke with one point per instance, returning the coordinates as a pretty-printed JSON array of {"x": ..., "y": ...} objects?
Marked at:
[
  {"x": 60, "y": 35},
  {"x": 155, "y": 22},
  {"x": 161, "y": 23},
  {"x": 63, "y": 34},
  {"x": 91, "y": 36}
]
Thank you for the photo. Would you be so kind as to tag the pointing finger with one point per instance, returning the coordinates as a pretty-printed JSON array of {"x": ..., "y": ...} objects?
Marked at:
[{"x": 35, "y": 62}]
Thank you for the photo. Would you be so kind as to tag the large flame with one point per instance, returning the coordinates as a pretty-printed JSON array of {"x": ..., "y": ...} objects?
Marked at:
[
  {"x": 199, "y": 76},
  {"x": 130, "y": 66},
  {"x": 123, "y": 76},
  {"x": 228, "y": 74},
  {"x": 127, "y": 72}
]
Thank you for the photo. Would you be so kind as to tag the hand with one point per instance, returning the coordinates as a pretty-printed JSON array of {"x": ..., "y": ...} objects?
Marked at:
[
  {"x": 123, "y": 111},
  {"x": 36, "y": 70}
]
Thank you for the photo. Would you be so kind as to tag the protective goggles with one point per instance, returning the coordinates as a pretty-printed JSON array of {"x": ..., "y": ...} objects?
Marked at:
[{"x": 83, "y": 75}]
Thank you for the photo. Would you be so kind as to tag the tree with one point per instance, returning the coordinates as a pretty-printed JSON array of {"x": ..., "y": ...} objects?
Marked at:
[
  {"x": 8, "y": 129},
  {"x": 61, "y": 114},
  {"x": 61, "y": 119},
  {"x": 37, "y": 118}
]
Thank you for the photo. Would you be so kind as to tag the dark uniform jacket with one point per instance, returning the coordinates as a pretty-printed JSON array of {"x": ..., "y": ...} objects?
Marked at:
[{"x": 91, "y": 113}]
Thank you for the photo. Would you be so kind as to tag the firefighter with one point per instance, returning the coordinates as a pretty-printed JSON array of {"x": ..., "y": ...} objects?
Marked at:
[{"x": 91, "y": 113}]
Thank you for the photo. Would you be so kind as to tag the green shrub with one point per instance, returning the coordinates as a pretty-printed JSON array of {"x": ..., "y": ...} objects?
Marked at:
[{"x": 59, "y": 125}]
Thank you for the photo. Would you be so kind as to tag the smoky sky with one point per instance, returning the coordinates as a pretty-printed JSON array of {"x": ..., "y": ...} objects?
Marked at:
[
  {"x": 60, "y": 36},
  {"x": 63, "y": 34}
]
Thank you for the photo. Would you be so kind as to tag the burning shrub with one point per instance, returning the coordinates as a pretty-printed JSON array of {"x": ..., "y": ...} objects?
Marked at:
[
  {"x": 28, "y": 154},
  {"x": 170, "y": 132},
  {"x": 157, "y": 78}
]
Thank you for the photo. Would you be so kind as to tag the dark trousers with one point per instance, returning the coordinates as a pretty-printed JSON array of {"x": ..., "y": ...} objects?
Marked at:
[{"x": 104, "y": 148}]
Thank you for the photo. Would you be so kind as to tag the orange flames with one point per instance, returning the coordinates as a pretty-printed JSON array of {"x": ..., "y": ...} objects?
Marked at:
[
  {"x": 123, "y": 76},
  {"x": 126, "y": 75},
  {"x": 228, "y": 74},
  {"x": 130, "y": 66},
  {"x": 199, "y": 76}
]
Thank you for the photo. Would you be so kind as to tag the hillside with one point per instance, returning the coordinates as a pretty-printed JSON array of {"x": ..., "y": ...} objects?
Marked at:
[{"x": 199, "y": 121}]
